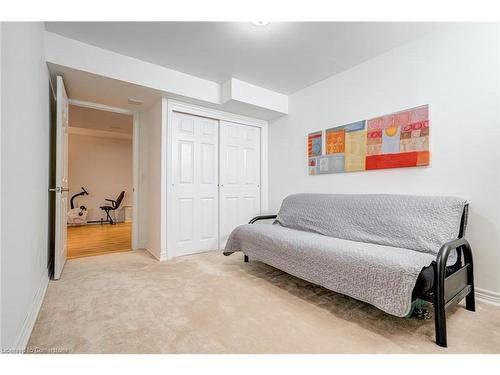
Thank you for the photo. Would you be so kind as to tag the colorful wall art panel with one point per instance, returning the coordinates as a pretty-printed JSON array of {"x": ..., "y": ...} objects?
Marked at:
[
  {"x": 335, "y": 141},
  {"x": 355, "y": 150},
  {"x": 331, "y": 163},
  {"x": 313, "y": 166},
  {"x": 314, "y": 150},
  {"x": 392, "y": 141},
  {"x": 315, "y": 145}
]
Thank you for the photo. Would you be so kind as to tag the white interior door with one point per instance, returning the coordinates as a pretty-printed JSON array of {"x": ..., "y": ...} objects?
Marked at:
[
  {"x": 195, "y": 171},
  {"x": 239, "y": 176},
  {"x": 61, "y": 188}
]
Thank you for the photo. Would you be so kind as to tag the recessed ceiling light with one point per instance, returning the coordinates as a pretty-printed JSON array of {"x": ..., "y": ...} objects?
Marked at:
[
  {"x": 134, "y": 101},
  {"x": 260, "y": 23}
]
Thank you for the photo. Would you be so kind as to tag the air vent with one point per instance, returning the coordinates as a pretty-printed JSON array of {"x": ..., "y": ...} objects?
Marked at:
[{"x": 134, "y": 101}]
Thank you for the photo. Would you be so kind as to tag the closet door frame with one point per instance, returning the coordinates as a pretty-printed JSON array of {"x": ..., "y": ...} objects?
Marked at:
[{"x": 167, "y": 156}]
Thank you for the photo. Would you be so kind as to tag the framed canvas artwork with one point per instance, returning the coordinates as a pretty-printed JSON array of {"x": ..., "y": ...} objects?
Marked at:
[{"x": 395, "y": 140}]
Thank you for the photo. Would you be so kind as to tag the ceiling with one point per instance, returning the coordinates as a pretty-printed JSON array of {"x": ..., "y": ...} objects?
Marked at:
[
  {"x": 87, "y": 87},
  {"x": 281, "y": 56},
  {"x": 94, "y": 119}
]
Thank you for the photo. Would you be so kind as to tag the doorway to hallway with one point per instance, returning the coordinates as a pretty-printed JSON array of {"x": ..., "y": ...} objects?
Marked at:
[{"x": 100, "y": 182}]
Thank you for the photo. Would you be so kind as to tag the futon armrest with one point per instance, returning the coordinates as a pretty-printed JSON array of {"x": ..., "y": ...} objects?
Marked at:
[
  {"x": 448, "y": 247},
  {"x": 262, "y": 217},
  {"x": 452, "y": 288},
  {"x": 449, "y": 290}
]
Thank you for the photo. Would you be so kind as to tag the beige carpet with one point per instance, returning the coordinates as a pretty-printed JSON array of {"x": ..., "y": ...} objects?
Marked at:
[{"x": 208, "y": 303}]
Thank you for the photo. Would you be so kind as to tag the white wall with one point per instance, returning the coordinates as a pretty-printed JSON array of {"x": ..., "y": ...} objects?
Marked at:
[
  {"x": 454, "y": 70},
  {"x": 1, "y": 26},
  {"x": 149, "y": 194},
  {"x": 104, "y": 167},
  {"x": 24, "y": 179},
  {"x": 243, "y": 99}
]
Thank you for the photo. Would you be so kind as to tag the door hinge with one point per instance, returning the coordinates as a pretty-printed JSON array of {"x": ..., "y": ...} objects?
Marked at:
[{"x": 58, "y": 189}]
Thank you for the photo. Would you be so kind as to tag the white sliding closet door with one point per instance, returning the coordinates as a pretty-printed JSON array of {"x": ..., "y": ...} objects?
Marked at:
[
  {"x": 239, "y": 176},
  {"x": 195, "y": 183}
]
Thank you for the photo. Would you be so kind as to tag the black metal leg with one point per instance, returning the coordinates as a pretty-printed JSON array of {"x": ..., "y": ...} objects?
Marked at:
[
  {"x": 246, "y": 259},
  {"x": 470, "y": 300},
  {"x": 439, "y": 304},
  {"x": 440, "y": 324}
]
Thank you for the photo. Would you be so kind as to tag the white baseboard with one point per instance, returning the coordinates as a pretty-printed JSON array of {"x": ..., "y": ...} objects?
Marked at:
[
  {"x": 488, "y": 296},
  {"x": 161, "y": 257},
  {"x": 154, "y": 254},
  {"x": 29, "y": 322}
]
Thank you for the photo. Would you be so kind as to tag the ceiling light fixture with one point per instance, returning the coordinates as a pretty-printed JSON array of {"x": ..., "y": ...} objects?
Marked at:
[
  {"x": 260, "y": 23},
  {"x": 134, "y": 101}
]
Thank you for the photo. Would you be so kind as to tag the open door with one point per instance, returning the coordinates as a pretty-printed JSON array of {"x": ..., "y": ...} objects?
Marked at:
[{"x": 61, "y": 178}]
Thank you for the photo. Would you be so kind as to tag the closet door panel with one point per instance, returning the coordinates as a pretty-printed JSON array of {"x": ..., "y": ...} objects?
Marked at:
[
  {"x": 186, "y": 215},
  {"x": 208, "y": 208},
  {"x": 239, "y": 176},
  {"x": 230, "y": 216},
  {"x": 208, "y": 184},
  {"x": 195, "y": 171},
  {"x": 208, "y": 163},
  {"x": 250, "y": 167},
  {"x": 186, "y": 162},
  {"x": 232, "y": 163}
]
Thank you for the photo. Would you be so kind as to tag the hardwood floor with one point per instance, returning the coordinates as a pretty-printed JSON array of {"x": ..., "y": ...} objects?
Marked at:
[{"x": 90, "y": 240}]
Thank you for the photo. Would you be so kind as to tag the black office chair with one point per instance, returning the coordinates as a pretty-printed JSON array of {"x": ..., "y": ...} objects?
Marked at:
[{"x": 114, "y": 205}]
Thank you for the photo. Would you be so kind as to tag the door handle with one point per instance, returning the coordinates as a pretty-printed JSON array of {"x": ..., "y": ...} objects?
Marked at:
[{"x": 64, "y": 189}]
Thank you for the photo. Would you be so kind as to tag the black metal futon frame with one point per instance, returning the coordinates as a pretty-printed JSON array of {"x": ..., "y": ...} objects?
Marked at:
[{"x": 449, "y": 285}]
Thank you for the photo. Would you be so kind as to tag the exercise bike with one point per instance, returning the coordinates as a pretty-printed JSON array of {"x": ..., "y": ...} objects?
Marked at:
[{"x": 77, "y": 215}]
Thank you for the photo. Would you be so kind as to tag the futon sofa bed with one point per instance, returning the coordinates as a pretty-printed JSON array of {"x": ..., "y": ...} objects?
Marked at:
[{"x": 386, "y": 250}]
